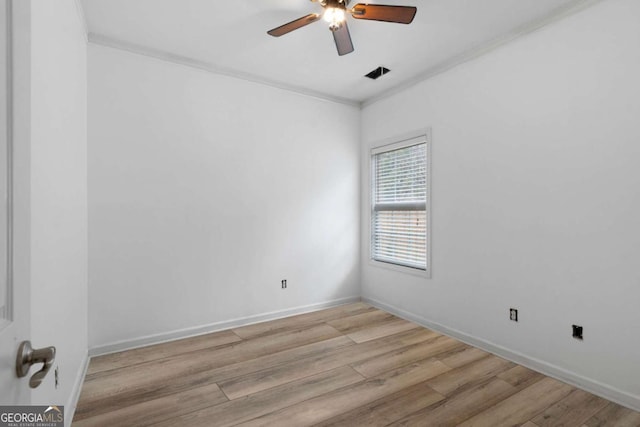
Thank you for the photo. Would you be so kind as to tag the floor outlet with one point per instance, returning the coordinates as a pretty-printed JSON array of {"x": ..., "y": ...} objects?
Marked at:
[{"x": 513, "y": 314}]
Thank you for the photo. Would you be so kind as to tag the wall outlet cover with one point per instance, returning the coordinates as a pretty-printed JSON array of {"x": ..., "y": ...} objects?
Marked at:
[{"x": 577, "y": 332}]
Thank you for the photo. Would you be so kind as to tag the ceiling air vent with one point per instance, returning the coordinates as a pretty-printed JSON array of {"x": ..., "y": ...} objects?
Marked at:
[{"x": 378, "y": 72}]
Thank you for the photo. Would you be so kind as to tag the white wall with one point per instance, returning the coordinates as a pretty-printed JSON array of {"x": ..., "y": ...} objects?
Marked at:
[
  {"x": 59, "y": 193},
  {"x": 535, "y": 199},
  {"x": 205, "y": 191}
]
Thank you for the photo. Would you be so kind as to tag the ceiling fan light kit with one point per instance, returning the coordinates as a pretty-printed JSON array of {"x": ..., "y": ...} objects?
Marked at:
[
  {"x": 335, "y": 13},
  {"x": 335, "y": 17}
]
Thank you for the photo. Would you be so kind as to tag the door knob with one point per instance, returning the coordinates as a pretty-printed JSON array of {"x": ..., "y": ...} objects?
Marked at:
[{"x": 28, "y": 356}]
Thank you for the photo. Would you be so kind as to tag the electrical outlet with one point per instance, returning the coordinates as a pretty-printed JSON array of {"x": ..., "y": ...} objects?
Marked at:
[
  {"x": 284, "y": 283},
  {"x": 577, "y": 332},
  {"x": 57, "y": 376},
  {"x": 513, "y": 314}
]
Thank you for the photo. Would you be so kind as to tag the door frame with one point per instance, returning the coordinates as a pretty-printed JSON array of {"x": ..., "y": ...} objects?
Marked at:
[
  {"x": 7, "y": 316},
  {"x": 16, "y": 390}
]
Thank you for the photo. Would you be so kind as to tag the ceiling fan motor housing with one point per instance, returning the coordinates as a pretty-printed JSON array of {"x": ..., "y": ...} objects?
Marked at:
[{"x": 335, "y": 3}]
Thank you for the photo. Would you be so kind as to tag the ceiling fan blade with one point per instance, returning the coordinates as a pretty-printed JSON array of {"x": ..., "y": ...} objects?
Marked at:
[
  {"x": 380, "y": 12},
  {"x": 343, "y": 39},
  {"x": 294, "y": 25}
]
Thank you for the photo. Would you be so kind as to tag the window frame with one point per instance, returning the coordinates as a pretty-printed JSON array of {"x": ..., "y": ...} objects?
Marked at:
[{"x": 391, "y": 144}]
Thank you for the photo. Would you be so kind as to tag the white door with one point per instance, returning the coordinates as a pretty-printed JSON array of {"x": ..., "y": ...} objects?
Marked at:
[{"x": 14, "y": 208}]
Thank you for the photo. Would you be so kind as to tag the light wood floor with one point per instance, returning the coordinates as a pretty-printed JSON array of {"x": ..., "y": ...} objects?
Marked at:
[{"x": 346, "y": 366}]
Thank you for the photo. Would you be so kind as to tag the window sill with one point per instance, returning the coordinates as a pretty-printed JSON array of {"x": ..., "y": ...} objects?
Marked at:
[{"x": 426, "y": 274}]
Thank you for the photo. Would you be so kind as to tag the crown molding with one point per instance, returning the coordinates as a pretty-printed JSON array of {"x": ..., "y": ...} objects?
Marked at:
[
  {"x": 568, "y": 9},
  {"x": 555, "y": 15},
  {"x": 110, "y": 42}
]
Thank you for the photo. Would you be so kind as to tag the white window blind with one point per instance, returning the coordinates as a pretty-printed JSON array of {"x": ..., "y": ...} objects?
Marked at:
[{"x": 399, "y": 208}]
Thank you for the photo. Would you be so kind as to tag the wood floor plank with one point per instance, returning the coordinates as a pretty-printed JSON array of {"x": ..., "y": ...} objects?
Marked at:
[
  {"x": 520, "y": 377},
  {"x": 468, "y": 355},
  {"x": 316, "y": 363},
  {"x": 522, "y": 406},
  {"x": 302, "y": 320},
  {"x": 614, "y": 415},
  {"x": 390, "y": 408},
  {"x": 157, "y": 410},
  {"x": 356, "y": 322},
  {"x": 353, "y": 365},
  {"x": 469, "y": 374},
  {"x": 255, "y": 405},
  {"x": 160, "y": 351},
  {"x": 329, "y": 405},
  {"x": 90, "y": 406},
  {"x": 93, "y": 403},
  {"x": 206, "y": 359},
  {"x": 157, "y": 378},
  {"x": 572, "y": 411},
  {"x": 460, "y": 407},
  {"x": 98, "y": 394},
  {"x": 380, "y": 330},
  {"x": 377, "y": 364}
]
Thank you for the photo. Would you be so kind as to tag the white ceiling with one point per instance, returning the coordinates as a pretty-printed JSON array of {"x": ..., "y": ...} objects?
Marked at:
[{"x": 231, "y": 37}]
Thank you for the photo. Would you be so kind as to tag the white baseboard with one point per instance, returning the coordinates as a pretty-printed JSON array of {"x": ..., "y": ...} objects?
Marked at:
[
  {"x": 592, "y": 386},
  {"x": 214, "y": 327},
  {"x": 72, "y": 403}
]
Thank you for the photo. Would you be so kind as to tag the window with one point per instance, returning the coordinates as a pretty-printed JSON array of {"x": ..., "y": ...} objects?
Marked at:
[{"x": 399, "y": 208}]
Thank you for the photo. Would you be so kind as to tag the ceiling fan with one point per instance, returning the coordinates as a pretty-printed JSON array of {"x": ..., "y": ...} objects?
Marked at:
[{"x": 335, "y": 12}]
